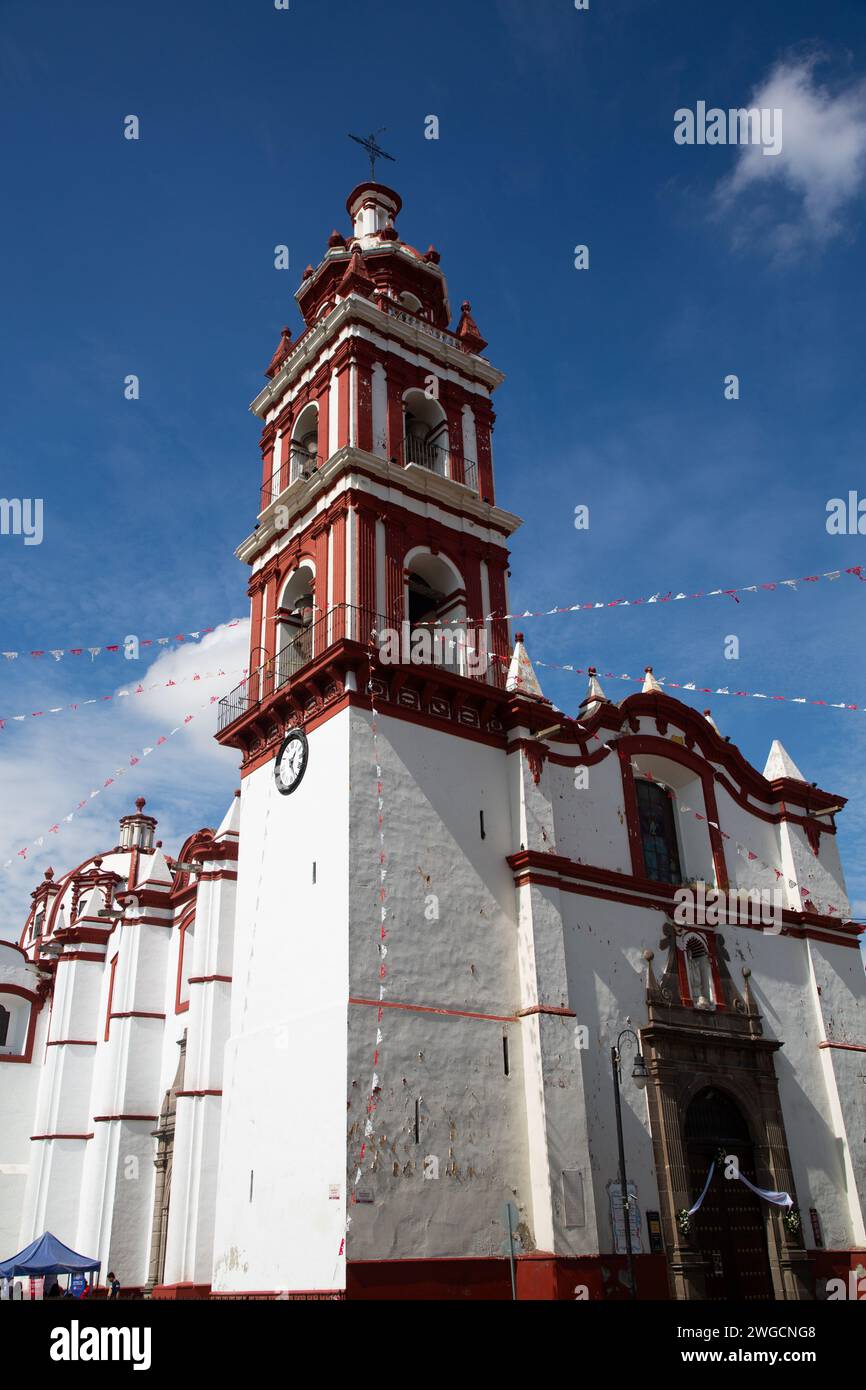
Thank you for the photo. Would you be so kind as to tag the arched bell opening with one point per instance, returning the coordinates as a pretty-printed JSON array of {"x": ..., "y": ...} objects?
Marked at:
[
  {"x": 425, "y": 433},
  {"x": 296, "y": 622},
  {"x": 435, "y": 608},
  {"x": 304, "y": 444}
]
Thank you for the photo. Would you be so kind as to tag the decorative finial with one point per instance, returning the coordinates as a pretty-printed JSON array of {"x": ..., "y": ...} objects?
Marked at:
[
  {"x": 283, "y": 349},
  {"x": 371, "y": 145},
  {"x": 139, "y": 804},
  {"x": 49, "y": 873},
  {"x": 467, "y": 330}
]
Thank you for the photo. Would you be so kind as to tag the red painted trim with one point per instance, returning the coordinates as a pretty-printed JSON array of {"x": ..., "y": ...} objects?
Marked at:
[
  {"x": 107, "y": 1119},
  {"x": 184, "y": 1094},
  {"x": 181, "y": 1006},
  {"x": 71, "y": 1042},
  {"x": 61, "y": 1136},
  {"x": 720, "y": 861},
  {"x": 365, "y": 583},
  {"x": 88, "y": 936},
  {"x": 81, "y": 955},
  {"x": 386, "y": 710},
  {"x": 20, "y": 992},
  {"x": 632, "y": 815},
  {"x": 339, "y": 531},
  {"x": 209, "y": 979},
  {"x": 137, "y": 1013},
  {"x": 545, "y": 1009},
  {"x": 432, "y": 1009},
  {"x": 555, "y": 871},
  {"x": 111, "y": 977},
  {"x": 843, "y": 1046},
  {"x": 22, "y": 1058},
  {"x": 343, "y": 370},
  {"x": 181, "y": 1290}
]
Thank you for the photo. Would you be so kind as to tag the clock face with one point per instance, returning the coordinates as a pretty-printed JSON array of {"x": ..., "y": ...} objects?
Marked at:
[{"x": 291, "y": 761}]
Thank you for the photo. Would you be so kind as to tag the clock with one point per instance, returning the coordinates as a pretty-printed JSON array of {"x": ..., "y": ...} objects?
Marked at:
[{"x": 291, "y": 761}]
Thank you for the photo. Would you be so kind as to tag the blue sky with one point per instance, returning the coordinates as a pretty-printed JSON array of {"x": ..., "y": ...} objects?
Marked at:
[{"x": 155, "y": 257}]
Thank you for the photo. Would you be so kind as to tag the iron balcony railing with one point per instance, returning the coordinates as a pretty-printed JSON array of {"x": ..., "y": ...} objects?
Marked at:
[
  {"x": 452, "y": 647},
  {"x": 299, "y": 464},
  {"x": 448, "y": 463}
]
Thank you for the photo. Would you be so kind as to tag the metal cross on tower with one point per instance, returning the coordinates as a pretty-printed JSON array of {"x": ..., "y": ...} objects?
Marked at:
[{"x": 373, "y": 150}]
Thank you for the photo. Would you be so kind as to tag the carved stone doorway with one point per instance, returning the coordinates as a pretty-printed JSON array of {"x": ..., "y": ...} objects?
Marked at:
[{"x": 692, "y": 1046}]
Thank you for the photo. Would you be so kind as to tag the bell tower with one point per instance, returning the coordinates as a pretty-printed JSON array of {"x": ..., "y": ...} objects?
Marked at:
[
  {"x": 377, "y": 687},
  {"x": 377, "y": 494}
]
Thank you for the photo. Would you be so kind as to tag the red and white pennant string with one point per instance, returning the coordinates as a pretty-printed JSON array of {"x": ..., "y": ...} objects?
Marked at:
[
  {"x": 114, "y": 647},
  {"x": 734, "y": 592},
  {"x": 699, "y": 689},
  {"x": 122, "y": 771},
  {"x": 117, "y": 695}
]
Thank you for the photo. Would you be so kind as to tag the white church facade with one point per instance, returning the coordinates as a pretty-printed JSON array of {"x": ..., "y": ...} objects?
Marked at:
[{"x": 340, "y": 1043}]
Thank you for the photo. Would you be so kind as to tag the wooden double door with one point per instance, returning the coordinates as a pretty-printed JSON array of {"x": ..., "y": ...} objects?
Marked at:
[{"x": 730, "y": 1226}]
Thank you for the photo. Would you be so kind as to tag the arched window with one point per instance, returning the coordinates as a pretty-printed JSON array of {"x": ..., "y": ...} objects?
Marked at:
[
  {"x": 658, "y": 833},
  {"x": 5, "y": 1017},
  {"x": 699, "y": 972}
]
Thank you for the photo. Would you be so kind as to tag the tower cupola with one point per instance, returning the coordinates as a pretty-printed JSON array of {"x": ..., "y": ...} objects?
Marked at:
[{"x": 136, "y": 829}]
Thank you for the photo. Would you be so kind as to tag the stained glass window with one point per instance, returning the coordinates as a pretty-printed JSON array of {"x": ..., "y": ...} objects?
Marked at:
[{"x": 658, "y": 833}]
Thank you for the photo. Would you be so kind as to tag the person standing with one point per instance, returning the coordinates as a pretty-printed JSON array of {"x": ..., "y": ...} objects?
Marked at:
[{"x": 113, "y": 1285}]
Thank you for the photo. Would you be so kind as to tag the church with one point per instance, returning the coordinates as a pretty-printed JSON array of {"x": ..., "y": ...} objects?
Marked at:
[{"x": 428, "y": 1015}]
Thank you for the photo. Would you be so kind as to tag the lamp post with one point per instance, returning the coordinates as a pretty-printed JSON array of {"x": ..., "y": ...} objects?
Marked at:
[{"x": 639, "y": 1077}]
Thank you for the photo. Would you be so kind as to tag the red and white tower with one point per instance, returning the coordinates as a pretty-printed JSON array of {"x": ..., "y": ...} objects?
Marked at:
[
  {"x": 377, "y": 496},
  {"x": 377, "y": 514}
]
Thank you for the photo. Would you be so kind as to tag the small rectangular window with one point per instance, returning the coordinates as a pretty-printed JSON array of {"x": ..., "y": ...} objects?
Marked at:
[
  {"x": 481, "y": 817},
  {"x": 505, "y": 1061}
]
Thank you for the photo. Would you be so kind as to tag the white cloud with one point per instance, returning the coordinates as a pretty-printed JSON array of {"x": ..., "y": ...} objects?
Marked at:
[
  {"x": 821, "y": 166},
  {"x": 50, "y": 764}
]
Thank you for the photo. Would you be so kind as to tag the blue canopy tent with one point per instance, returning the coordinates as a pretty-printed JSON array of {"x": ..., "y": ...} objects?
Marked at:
[{"x": 47, "y": 1255}]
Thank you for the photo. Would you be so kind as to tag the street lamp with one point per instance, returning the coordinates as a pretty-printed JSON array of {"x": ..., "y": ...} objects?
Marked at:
[{"x": 639, "y": 1077}]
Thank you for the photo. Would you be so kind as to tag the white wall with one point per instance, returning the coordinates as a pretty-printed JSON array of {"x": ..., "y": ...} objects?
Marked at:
[
  {"x": 285, "y": 1068},
  {"x": 463, "y": 961}
]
